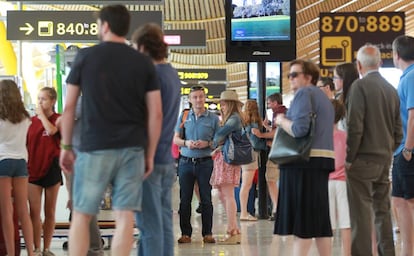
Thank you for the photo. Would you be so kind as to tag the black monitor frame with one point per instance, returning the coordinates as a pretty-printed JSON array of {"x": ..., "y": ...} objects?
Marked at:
[{"x": 260, "y": 50}]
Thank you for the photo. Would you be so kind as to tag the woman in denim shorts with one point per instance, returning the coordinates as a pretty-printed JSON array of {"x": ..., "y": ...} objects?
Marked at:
[{"x": 14, "y": 123}]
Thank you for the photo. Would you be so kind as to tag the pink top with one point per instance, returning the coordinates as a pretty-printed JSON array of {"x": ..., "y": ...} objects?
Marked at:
[{"x": 340, "y": 154}]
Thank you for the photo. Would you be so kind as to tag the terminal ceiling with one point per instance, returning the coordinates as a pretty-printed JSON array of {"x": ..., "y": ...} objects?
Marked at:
[{"x": 209, "y": 15}]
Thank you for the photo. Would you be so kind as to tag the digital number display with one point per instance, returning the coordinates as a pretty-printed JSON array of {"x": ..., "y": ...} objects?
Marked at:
[
  {"x": 211, "y": 90},
  {"x": 202, "y": 74},
  {"x": 78, "y": 29},
  {"x": 65, "y": 25},
  {"x": 193, "y": 75},
  {"x": 186, "y": 90},
  {"x": 372, "y": 24},
  {"x": 343, "y": 33}
]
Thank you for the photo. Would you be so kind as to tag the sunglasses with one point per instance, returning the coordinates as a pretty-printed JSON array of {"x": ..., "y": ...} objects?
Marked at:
[
  {"x": 294, "y": 74},
  {"x": 197, "y": 88}
]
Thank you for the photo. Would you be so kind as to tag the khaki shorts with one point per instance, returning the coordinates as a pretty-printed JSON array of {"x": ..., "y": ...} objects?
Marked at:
[
  {"x": 272, "y": 171},
  {"x": 253, "y": 165}
]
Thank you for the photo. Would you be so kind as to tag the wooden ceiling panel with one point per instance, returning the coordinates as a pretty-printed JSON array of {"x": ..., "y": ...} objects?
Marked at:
[
  {"x": 187, "y": 12},
  {"x": 312, "y": 11},
  {"x": 305, "y": 41},
  {"x": 304, "y": 4},
  {"x": 209, "y": 15}
]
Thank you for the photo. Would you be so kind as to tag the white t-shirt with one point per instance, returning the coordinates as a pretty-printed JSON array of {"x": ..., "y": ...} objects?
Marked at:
[{"x": 13, "y": 139}]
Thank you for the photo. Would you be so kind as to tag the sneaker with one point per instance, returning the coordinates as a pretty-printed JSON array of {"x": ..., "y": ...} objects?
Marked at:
[
  {"x": 209, "y": 239},
  {"x": 184, "y": 239},
  {"x": 198, "y": 210},
  {"x": 37, "y": 252},
  {"x": 48, "y": 253}
]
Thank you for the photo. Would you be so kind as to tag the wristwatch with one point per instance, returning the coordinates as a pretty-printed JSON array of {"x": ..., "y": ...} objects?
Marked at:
[{"x": 407, "y": 151}]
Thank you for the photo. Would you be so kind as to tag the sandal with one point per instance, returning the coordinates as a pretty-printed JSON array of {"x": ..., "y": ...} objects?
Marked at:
[
  {"x": 232, "y": 239},
  {"x": 233, "y": 232},
  {"x": 248, "y": 218}
]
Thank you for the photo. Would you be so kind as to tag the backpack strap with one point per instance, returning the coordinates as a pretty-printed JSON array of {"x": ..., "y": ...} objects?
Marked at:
[{"x": 184, "y": 117}]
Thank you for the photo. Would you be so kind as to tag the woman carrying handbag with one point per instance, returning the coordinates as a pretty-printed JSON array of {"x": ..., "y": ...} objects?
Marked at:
[
  {"x": 226, "y": 176},
  {"x": 303, "y": 205}
]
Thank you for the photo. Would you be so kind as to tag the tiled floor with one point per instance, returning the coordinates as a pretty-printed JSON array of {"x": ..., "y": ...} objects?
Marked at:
[{"x": 257, "y": 237}]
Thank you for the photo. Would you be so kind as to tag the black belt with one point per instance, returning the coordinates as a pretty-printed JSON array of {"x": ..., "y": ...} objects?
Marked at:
[{"x": 195, "y": 159}]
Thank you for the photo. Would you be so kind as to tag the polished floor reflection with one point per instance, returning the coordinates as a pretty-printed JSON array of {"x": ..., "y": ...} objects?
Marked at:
[{"x": 257, "y": 238}]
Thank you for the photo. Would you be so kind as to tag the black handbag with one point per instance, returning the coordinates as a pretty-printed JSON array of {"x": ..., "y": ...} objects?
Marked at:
[
  {"x": 237, "y": 148},
  {"x": 287, "y": 149}
]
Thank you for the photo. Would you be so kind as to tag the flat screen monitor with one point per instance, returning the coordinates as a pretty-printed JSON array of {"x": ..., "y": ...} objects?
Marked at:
[{"x": 260, "y": 30}]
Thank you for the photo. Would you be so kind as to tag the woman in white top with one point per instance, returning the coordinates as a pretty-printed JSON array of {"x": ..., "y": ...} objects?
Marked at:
[{"x": 14, "y": 123}]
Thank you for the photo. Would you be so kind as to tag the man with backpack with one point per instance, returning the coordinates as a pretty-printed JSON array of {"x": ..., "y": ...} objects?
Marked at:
[{"x": 195, "y": 164}]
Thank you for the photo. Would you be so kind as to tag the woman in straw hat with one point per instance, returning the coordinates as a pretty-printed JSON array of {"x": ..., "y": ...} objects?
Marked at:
[{"x": 227, "y": 176}]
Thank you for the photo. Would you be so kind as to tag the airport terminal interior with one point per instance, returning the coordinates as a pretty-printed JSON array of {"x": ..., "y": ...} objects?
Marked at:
[
  {"x": 31, "y": 59},
  {"x": 257, "y": 237},
  {"x": 30, "y": 54}
]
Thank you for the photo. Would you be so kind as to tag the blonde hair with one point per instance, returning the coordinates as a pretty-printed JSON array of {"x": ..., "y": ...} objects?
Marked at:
[
  {"x": 232, "y": 107},
  {"x": 51, "y": 92}
]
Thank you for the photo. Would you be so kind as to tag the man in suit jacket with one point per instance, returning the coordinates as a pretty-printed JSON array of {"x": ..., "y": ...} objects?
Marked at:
[{"x": 374, "y": 132}]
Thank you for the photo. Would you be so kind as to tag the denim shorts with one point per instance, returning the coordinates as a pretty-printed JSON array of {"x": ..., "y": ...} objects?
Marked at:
[
  {"x": 402, "y": 177},
  {"x": 13, "y": 168},
  {"x": 95, "y": 170}
]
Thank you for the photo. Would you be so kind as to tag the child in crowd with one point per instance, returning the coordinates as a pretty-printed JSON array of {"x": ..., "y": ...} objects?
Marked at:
[{"x": 338, "y": 199}]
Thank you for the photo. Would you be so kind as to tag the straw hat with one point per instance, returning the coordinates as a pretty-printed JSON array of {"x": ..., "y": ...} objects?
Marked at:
[{"x": 230, "y": 95}]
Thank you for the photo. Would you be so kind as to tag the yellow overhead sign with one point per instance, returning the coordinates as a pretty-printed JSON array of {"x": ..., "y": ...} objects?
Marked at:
[{"x": 343, "y": 33}]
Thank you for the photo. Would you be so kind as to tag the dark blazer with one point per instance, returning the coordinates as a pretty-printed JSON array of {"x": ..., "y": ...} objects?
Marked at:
[{"x": 373, "y": 119}]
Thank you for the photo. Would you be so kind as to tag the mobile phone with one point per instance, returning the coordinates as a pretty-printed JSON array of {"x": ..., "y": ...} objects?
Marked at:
[{"x": 269, "y": 115}]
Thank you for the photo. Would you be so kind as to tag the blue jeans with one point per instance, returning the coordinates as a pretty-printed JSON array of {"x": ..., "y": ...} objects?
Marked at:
[
  {"x": 188, "y": 173},
  {"x": 155, "y": 221}
]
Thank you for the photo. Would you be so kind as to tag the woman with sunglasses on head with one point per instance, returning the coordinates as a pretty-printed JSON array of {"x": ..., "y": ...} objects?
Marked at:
[
  {"x": 14, "y": 123},
  {"x": 303, "y": 205}
]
